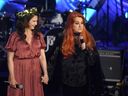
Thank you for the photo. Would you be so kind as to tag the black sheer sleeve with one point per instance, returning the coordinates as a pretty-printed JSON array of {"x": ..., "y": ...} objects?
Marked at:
[{"x": 95, "y": 74}]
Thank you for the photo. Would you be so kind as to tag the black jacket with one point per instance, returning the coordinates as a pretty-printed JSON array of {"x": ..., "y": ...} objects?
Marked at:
[{"x": 95, "y": 77}]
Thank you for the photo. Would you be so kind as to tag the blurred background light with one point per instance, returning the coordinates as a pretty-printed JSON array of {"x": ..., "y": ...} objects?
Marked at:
[
  {"x": 88, "y": 13},
  {"x": 126, "y": 15},
  {"x": 2, "y": 3},
  {"x": 73, "y": 5}
]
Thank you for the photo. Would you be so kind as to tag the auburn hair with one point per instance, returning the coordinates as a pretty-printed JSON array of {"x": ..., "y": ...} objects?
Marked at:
[{"x": 67, "y": 48}]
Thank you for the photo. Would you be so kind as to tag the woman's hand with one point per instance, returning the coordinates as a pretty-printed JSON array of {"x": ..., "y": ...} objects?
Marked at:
[
  {"x": 45, "y": 79},
  {"x": 89, "y": 46},
  {"x": 12, "y": 82}
]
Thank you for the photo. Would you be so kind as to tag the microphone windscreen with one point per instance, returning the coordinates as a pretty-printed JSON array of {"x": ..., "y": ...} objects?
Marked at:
[
  {"x": 81, "y": 39},
  {"x": 19, "y": 86}
]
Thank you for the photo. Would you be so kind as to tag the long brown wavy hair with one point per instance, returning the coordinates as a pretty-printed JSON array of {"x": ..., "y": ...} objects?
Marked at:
[
  {"x": 67, "y": 48},
  {"x": 23, "y": 21}
]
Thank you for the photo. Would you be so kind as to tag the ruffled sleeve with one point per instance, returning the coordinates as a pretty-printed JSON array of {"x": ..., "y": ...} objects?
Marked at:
[
  {"x": 11, "y": 43},
  {"x": 43, "y": 44}
]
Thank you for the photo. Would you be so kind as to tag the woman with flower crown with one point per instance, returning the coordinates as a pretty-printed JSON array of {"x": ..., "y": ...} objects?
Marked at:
[{"x": 26, "y": 56}]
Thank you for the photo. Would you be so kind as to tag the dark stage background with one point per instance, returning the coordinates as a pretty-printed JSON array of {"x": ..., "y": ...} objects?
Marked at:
[{"x": 107, "y": 20}]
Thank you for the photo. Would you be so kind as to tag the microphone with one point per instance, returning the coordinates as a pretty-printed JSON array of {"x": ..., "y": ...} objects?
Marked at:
[
  {"x": 19, "y": 86},
  {"x": 83, "y": 45},
  {"x": 76, "y": 38},
  {"x": 81, "y": 39}
]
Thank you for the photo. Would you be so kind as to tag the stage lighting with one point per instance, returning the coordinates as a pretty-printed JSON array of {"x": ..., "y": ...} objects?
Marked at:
[
  {"x": 126, "y": 15},
  {"x": 70, "y": 10},
  {"x": 84, "y": 6},
  {"x": 2, "y": 2},
  {"x": 88, "y": 13}
]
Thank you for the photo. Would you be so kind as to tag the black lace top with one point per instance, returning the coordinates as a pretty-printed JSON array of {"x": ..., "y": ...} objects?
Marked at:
[{"x": 74, "y": 69}]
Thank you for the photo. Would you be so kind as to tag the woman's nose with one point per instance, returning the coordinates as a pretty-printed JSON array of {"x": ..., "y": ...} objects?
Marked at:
[{"x": 80, "y": 25}]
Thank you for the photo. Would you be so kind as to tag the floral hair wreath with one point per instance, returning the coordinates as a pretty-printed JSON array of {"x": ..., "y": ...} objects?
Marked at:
[{"x": 27, "y": 12}]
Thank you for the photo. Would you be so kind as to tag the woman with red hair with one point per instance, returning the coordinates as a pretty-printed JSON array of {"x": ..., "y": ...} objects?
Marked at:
[
  {"x": 75, "y": 24},
  {"x": 80, "y": 72}
]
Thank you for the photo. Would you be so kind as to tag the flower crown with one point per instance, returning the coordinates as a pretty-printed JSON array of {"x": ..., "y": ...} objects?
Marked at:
[{"x": 27, "y": 12}]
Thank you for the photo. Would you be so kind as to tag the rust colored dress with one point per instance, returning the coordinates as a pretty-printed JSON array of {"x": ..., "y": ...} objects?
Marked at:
[{"x": 27, "y": 68}]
